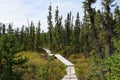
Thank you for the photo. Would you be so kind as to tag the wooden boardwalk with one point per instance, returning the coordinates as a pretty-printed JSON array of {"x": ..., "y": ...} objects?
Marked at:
[
  {"x": 70, "y": 71},
  {"x": 63, "y": 60}
]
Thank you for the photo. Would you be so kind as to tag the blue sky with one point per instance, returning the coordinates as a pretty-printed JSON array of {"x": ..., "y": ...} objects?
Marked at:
[{"x": 17, "y": 11}]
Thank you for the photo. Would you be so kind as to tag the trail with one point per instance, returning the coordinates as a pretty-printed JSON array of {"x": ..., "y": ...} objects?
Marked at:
[{"x": 70, "y": 70}]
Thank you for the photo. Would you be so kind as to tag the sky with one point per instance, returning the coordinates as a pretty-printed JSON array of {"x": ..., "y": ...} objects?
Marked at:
[{"x": 19, "y": 12}]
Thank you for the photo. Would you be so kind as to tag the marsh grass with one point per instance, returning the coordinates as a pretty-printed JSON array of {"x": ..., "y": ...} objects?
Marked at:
[{"x": 42, "y": 67}]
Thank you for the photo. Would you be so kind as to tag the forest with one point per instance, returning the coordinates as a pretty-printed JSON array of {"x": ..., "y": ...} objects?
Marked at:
[{"x": 92, "y": 44}]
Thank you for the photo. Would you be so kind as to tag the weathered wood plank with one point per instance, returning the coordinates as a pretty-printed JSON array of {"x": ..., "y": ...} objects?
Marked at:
[
  {"x": 63, "y": 60},
  {"x": 48, "y": 51},
  {"x": 70, "y": 77},
  {"x": 70, "y": 70}
]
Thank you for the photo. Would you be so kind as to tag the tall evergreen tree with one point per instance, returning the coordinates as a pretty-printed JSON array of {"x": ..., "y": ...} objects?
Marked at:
[
  {"x": 91, "y": 12},
  {"x": 100, "y": 32},
  {"x": 21, "y": 37},
  {"x": 50, "y": 26},
  {"x": 27, "y": 38},
  {"x": 32, "y": 35},
  {"x": 67, "y": 30},
  {"x": 117, "y": 13},
  {"x": 108, "y": 24},
  {"x": 58, "y": 30},
  {"x": 37, "y": 37},
  {"x": 10, "y": 59},
  {"x": 77, "y": 34},
  {"x": 117, "y": 21},
  {"x": 86, "y": 30},
  {"x": 3, "y": 29}
]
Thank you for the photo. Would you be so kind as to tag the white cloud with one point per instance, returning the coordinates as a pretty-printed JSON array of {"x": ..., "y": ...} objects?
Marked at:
[
  {"x": 16, "y": 11},
  {"x": 12, "y": 11}
]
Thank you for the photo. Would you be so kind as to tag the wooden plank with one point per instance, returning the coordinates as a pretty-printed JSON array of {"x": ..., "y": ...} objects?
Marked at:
[
  {"x": 48, "y": 51},
  {"x": 70, "y": 77},
  {"x": 63, "y": 60},
  {"x": 70, "y": 70}
]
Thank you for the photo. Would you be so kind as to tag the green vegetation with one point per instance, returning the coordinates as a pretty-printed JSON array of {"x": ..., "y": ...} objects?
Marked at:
[
  {"x": 12, "y": 65},
  {"x": 42, "y": 67},
  {"x": 114, "y": 66},
  {"x": 92, "y": 44},
  {"x": 112, "y": 63}
]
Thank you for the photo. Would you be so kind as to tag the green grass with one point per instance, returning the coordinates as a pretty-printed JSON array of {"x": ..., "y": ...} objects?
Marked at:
[
  {"x": 39, "y": 66},
  {"x": 35, "y": 58},
  {"x": 81, "y": 65},
  {"x": 42, "y": 68},
  {"x": 86, "y": 68}
]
